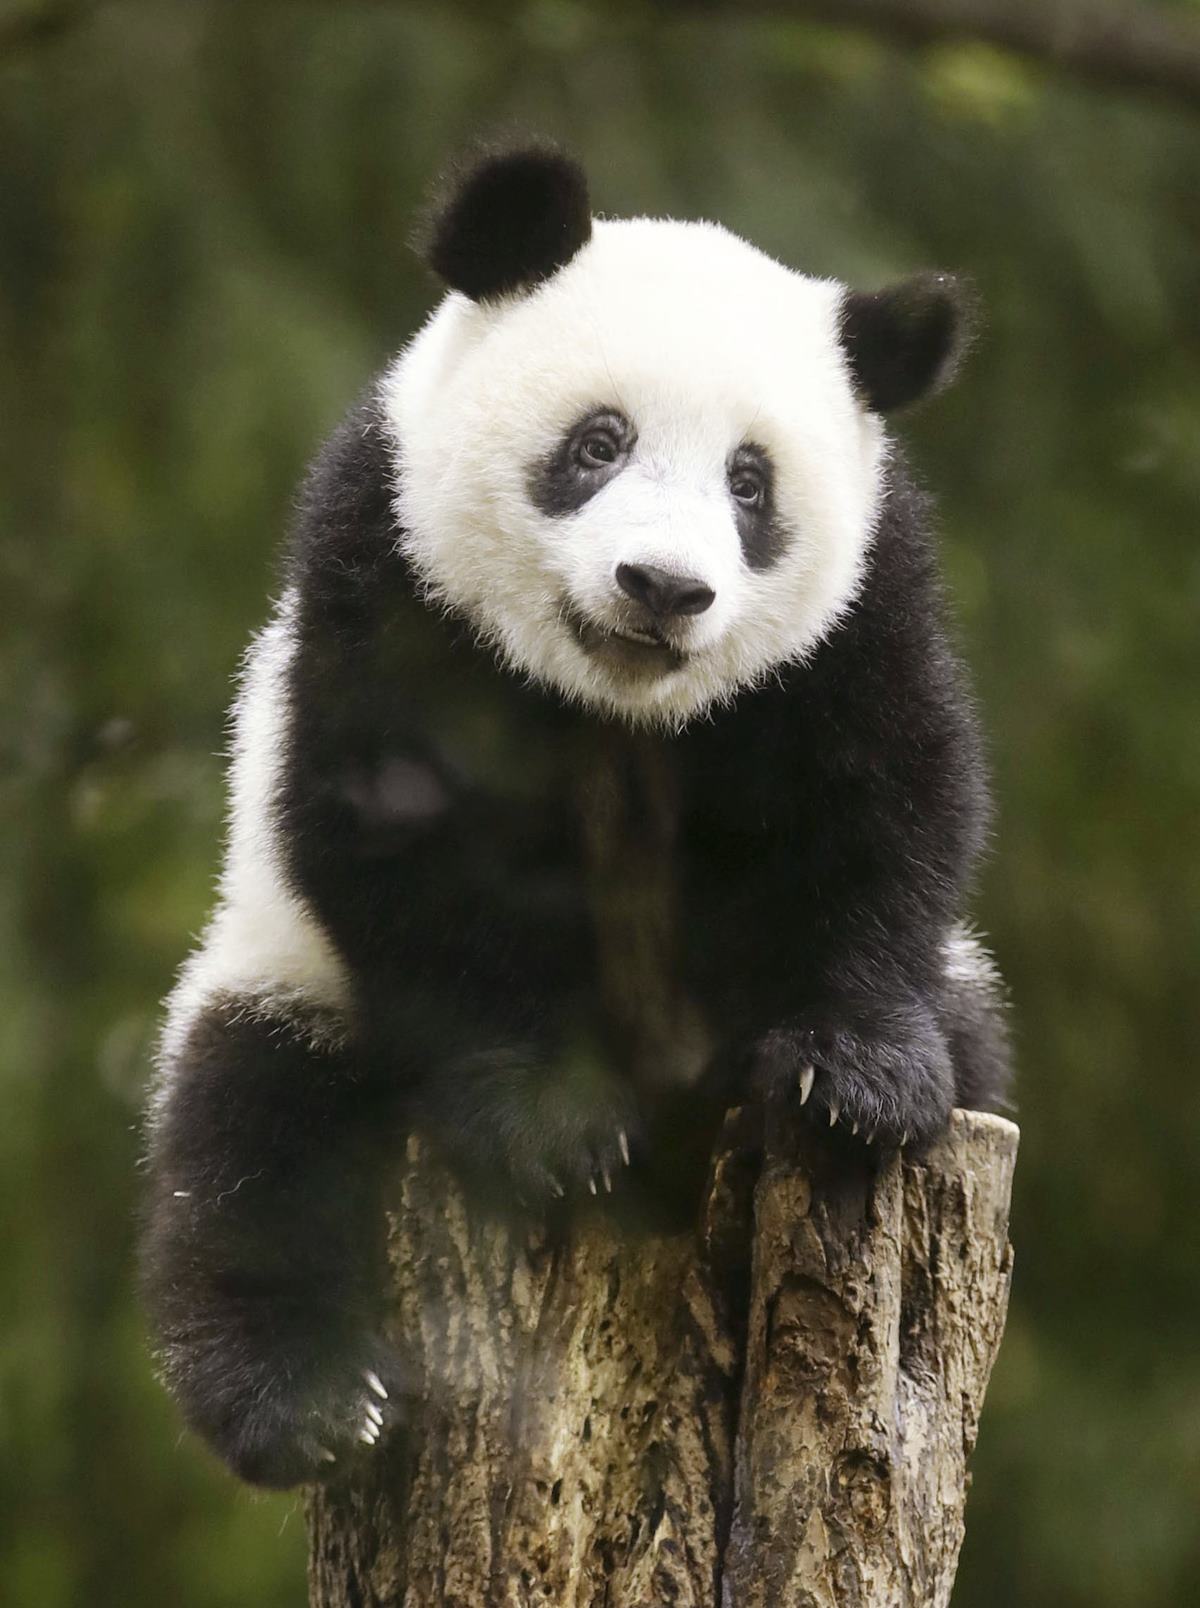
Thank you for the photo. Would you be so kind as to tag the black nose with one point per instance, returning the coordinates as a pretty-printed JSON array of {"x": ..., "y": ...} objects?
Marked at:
[{"x": 662, "y": 592}]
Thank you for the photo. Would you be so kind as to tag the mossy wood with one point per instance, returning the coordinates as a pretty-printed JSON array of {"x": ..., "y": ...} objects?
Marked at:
[{"x": 775, "y": 1410}]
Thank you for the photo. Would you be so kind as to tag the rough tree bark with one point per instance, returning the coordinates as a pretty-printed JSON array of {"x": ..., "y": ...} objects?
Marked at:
[{"x": 775, "y": 1408}]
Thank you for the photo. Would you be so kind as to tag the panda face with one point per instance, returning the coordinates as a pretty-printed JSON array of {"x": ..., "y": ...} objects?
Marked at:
[{"x": 647, "y": 480}]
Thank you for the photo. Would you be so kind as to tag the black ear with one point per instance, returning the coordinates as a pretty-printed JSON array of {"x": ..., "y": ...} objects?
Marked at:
[
  {"x": 906, "y": 341},
  {"x": 507, "y": 219}
]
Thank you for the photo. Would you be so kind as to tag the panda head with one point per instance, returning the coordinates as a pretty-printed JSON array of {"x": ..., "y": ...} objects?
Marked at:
[{"x": 642, "y": 458}]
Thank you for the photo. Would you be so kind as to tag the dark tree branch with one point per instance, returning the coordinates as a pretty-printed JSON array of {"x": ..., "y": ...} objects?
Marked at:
[{"x": 1129, "y": 46}]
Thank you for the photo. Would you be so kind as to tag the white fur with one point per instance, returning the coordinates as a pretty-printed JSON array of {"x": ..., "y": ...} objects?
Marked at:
[
  {"x": 263, "y": 945},
  {"x": 966, "y": 961},
  {"x": 704, "y": 343}
]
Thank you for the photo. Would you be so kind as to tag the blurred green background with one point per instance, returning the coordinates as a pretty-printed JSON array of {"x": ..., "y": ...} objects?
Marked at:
[{"x": 203, "y": 220}]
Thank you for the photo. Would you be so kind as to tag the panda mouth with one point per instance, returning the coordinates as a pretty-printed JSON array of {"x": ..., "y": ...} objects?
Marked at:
[
  {"x": 627, "y": 647},
  {"x": 645, "y": 639}
]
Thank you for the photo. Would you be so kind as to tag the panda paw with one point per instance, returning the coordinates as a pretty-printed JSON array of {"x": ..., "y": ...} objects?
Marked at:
[
  {"x": 536, "y": 1135},
  {"x": 277, "y": 1426},
  {"x": 584, "y": 1149},
  {"x": 889, "y": 1083}
]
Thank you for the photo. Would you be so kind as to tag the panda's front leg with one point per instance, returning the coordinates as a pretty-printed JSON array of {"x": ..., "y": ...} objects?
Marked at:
[{"x": 261, "y": 1244}]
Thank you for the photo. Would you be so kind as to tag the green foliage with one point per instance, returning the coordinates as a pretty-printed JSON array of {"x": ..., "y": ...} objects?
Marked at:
[{"x": 203, "y": 259}]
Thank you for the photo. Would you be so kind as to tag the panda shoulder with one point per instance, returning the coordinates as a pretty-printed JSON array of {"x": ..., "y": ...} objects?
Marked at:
[{"x": 345, "y": 518}]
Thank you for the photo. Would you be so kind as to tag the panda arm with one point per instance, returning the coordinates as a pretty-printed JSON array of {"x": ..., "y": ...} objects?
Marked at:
[
  {"x": 881, "y": 819},
  {"x": 463, "y": 983}
]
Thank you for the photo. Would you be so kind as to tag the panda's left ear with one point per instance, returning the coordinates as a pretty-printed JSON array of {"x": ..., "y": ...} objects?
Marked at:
[
  {"x": 507, "y": 219},
  {"x": 906, "y": 341}
]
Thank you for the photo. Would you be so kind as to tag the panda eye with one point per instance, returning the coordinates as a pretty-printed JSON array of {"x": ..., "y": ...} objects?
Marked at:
[
  {"x": 746, "y": 488},
  {"x": 598, "y": 449},
  {"x": 750, "y": 478}
]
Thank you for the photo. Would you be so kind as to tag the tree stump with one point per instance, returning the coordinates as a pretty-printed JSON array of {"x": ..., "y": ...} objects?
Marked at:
[{"x": 774, "y": 1408}]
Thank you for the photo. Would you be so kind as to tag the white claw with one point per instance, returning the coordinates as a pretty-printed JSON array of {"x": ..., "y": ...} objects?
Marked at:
[
  {"x": 557, "y": 1189},
  {"x": 871, "y": 1137},
  {"x": 904, "y": 1137},
  {"x": 854, "y": 1127},
  {"x": 807, "y": 1078},
  {"x": 607, "y": 1182},
  {"x": 591, "y": 1183},
  {"x": 375, "y": 1383},
  {"x": 368, "y": 1436},
  {"x": 834, "y": 1108},
  {"x": 623, "y": 1141},
  {"x": 374, "y": 1414},
  {"x": 326, "y": 1455}
]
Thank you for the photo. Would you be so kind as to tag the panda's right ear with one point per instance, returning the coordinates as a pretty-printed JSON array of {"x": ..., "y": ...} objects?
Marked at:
[{"x": 506, "y": 219}]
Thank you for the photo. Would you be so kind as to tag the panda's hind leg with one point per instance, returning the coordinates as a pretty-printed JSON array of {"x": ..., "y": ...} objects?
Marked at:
[{"x": 262, "y": 1239}]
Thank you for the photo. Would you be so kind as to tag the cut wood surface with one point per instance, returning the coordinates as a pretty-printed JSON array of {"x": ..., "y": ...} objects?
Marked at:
[{"x": 774, "y": 1408}]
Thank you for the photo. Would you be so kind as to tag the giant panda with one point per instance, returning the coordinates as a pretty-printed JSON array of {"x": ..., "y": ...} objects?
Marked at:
[{"x": 605, "y": 740}]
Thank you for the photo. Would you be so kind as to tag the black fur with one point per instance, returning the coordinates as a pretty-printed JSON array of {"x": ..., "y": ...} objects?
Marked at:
[
  {"x": 906, "y": 341},
  {"x": 261, "y": 1257},
  {"x": 523, "y": 894},
  {"x": 508, "y": 219}
]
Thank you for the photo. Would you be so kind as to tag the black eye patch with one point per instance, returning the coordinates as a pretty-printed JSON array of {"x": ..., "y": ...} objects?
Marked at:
[
  {"x": 750, "y": 476},
  {"x": 591, "y": 453}
]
